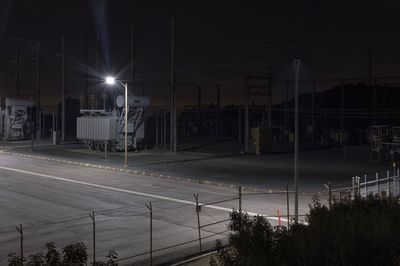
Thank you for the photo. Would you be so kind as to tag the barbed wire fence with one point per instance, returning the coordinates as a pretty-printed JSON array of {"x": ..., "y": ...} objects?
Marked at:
[
  {"x": 204, "y": 226},
  {"x": 378, "y": 185}
]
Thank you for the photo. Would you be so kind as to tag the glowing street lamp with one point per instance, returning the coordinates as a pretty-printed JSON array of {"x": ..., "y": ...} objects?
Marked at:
[{"x": 111, "y": 81}]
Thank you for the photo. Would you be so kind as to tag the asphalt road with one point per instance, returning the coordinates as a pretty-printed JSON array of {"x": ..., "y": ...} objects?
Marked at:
[{"x": 52, "y": 201}]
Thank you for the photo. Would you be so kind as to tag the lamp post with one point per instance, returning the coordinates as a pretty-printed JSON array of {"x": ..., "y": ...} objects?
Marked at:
[
  {"x": 296, "y": 139},
  {"x": 112, "y": 81}
]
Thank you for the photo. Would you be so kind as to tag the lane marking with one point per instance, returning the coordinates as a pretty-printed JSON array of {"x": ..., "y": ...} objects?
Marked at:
[{"x": 132, "y": 192}]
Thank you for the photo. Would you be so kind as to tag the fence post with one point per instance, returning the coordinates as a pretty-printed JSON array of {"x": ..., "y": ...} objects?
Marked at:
[
  {"x": 94, "y": 236},
  {"x": 157, "y": 115},
  {"x": 21, "y": 232},
  {"x": 388, "y": 181},
  {"x": 240, "y": 199},
  {"x": 358, "y": 186},
  {"x": 287, "y": 206},
  {"x": 365, "y": 186},
  {"x": 198, "y": 209},
  {"x": 352, "y": 186},
  {"x": 150, "y": 207}
]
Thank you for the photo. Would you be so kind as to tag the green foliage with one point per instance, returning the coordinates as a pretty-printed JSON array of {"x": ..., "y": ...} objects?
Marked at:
[
  {"x": 72, "y": 255},
  {"x": 364, "y": 232},
  {"x": 13, "y": 259},
  {"x": 36, "y": 259},
  {"x": 112, "y": 256},
  {"x": 52, "y": 257},
  {"x": 75, "y": 254}
]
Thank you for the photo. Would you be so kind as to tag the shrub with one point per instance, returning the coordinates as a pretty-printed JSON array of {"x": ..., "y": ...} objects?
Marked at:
[
  {"x": 364, "y": 232},
  {"x": 72, "y": 255}
]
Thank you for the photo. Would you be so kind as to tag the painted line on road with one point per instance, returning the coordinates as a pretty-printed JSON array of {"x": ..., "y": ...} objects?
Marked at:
[
  {"x": 165, "y": 177},
  {"x": 7, "y": 148},
  {"x": 193, "y": 180},
  {"x": 132, "y": 192}
]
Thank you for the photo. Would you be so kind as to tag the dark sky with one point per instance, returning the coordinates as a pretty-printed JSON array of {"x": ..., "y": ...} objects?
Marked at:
[{"x": 227, "y": 38}]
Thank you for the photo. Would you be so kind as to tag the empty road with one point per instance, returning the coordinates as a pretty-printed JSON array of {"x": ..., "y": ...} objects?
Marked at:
[{"x": 53, "y": 200}]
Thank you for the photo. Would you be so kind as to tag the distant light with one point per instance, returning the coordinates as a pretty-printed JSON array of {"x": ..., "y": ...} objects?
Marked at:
[{"x": 110, "y": 80}]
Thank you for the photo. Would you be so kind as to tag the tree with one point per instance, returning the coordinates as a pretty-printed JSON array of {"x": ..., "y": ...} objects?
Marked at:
[
  {"x": 75, "y": 254},
  {"x": 72, "y": 255},
  {"x": 52, "y": 256},
  {"x": 362, "y": 232}
]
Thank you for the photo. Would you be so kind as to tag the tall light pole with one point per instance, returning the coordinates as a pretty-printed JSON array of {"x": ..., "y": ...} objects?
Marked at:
[
  {"x": 112, "y": 81},
  {"x": 296, "y": 139},
  {"x": 63, "y": 91},
  {"x": 173, "y": 137}
]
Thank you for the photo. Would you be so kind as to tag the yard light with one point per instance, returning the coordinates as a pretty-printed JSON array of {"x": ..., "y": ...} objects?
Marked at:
[{"x": 111, "y": 81}]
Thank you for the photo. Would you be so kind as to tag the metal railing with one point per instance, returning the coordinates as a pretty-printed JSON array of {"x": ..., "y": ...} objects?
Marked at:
[{"x": 380, "y": 185}]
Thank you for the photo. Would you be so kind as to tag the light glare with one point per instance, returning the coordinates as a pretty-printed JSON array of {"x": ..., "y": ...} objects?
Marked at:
[{"x": 110, "y": 80}]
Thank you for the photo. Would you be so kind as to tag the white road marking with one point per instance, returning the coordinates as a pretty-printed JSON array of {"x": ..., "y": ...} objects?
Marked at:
[
  {"x": 7, "y": 148},
  {"x": 148, "y": 195}
]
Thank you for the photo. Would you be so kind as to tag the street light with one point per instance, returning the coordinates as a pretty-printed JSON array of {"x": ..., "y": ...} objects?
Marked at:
[
  {"x": 296, "y": 139},
  {"x": 111, "y": 81}
]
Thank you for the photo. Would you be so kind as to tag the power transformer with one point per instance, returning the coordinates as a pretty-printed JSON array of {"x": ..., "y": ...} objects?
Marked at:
[
  {"x": 14, "y": 119},
  {"x": 105, "y": 130}
]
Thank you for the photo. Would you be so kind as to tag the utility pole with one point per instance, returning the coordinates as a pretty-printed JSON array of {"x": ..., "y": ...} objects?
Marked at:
[
  {"x": 246, "y": 118},
  {"x": 313, "y": 110},
  {"x": 132, "y": 56},
  {"x": 269, "y": 71},
  {"x": 198, "y": 98},
  {"x": 21, "y": 233},
  {"x": 240, "y": 124},
  {"x": 157, "y": 114},
  {"x": 63, "y": 90},
  {"x": 150, "y": 207},
  {"x": 38, "y": 117},
  {"x": 374, "y": 96},
  {"x": 218, "y": 108},
  {"x": 173, "y": 137},
  {"x": 342, "y": 105},
  {"x": 96, "y": 87},
  {"x": 296, "y": 141},
  {"x": 94, "y": 235},
  {"x": 198, "y": 209},
  {"x": 164, "y": 130},
  {"x": 17, "y": 68},
  {"x": 286, "y": 104},
  {"x": 86, "y": 51},
  {"x": 370, "y": 69},
  {"x": 31, "y": 124},
  {"x": 287, "y": 207}
]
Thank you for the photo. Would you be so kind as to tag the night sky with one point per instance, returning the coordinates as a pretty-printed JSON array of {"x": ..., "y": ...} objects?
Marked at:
[{"x": 228, "y": 39}]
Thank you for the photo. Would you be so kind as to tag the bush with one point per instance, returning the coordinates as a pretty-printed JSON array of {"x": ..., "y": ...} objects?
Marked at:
[
  {"x": 364, "y": 232},
  {"x": 72, "y": 255}
]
